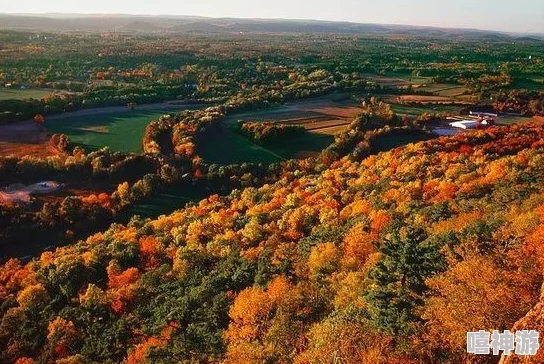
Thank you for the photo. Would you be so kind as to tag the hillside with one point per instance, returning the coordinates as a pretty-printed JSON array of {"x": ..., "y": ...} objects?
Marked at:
[
  {"x": 181, "y": 24},
  {"x": 391, "y": 259}
]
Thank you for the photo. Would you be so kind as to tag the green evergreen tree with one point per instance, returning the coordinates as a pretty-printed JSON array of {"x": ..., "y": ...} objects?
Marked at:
[{"x": 407, "y": 260}]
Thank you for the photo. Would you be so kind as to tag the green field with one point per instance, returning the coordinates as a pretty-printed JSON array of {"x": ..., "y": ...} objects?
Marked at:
[
  {"x": 227, "y": 147},
  {"x": 388, "y": 142},
  {"x": 418, "y": 110},
  {"x": 18, "y": 94},
  {"x": 512, "y": 119},
  {"x": 444, "y": 89},
  {"x": 121, "y": 131},
  {"x": 398, "y": 79},
  {"x": 167, "y": 202},
  {"x": 527, "y": 83},
  {"x": 307, "y": 145}
]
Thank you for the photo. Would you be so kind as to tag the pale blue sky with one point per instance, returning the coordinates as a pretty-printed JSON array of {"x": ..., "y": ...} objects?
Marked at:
[{"x": 506, "y": 15}]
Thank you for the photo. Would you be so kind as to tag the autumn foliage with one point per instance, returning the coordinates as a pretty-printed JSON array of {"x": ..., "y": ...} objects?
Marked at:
[
  {"x": 386, "y": 259},
  {"x": 270, "y": 132}
]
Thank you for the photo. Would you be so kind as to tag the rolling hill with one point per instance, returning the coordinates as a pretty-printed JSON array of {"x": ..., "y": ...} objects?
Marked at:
[
  {"x": 183, "y": 24},
  {"x": 390, "y": 259}
]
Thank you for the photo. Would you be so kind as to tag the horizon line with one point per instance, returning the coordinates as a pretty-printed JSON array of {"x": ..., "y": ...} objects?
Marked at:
[{"x": 51, "y": 14}]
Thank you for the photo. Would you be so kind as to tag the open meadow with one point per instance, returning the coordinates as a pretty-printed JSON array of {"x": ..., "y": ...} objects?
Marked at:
[
  {"x": 322, "y": 118},
  {"x": 441, "y": 92},
  {"x": 228, "y": 147},
  {"x": 119, "y": 130},
  {"x": 23, "y": 94},
  {"x": 415, "y": 110},
  {"x": 397, "y": 80}
]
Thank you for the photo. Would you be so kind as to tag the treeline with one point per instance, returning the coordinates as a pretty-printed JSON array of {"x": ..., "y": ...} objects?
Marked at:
[
  {"x": 524, "y": 102},
  {"x": 177, "y": 134},
  {"x": 269, "y": 132},
  {"x": 16, "y": 110},
  {"x": 376, "y": 121},
  {"x": 102, "y": 165}
]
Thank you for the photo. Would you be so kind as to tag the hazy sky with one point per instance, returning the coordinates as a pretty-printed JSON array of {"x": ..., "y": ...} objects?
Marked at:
[{"x": 507, "y": 15}]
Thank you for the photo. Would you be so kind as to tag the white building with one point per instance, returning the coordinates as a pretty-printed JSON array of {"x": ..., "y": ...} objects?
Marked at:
[
  {"x": 465, "y": 124},
  {"x": 469, "y": 124}
]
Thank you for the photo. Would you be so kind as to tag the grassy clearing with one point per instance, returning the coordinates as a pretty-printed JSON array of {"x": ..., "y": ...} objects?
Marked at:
[
  {"x": 18, "y": 94},
  {"x": 453, "y": 92},
  {"x": 512, "y": 119},
  {"x": 227, "y": 147},
  {"x": 527, "y": 83},
  {"x": 121, "y": 131},
  {"x": 165, "y": 203},
  {"x": 389, "y": 142},
  {"x": 322, "y": 117},
  {"x": 308, "y": 145},
  {"x": 418, "y": 110},
  {"x": 398, "y": 80}
]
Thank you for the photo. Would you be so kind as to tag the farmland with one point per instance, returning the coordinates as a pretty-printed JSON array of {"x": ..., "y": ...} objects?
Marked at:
[
  {"x": 313, "y": 114},
  {"x": 23, "y": 94},
  {"x": 415, "y": 110},
  {"x": 401, "y": 81},
  {"x": 322, "y": 118},
  {"x": 513, "y": 119},
  {"x": 441, "y": 92},
  {"x": 227, "y": 147},
  {"x": 119, "y": 130}
]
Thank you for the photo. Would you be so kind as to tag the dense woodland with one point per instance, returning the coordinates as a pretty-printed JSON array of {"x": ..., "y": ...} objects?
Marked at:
[
  {"x": 388, "y": 259},
  {"x": 362, "y": 254}
]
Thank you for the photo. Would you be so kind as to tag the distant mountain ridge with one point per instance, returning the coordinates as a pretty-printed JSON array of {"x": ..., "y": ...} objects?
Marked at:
[{"x": 193, "y": 24}]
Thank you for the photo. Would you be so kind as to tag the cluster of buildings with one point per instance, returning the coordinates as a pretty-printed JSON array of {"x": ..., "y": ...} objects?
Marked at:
[{"x": 475, "y": 120}]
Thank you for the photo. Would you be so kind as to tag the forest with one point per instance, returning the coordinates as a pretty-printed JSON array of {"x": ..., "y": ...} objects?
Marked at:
[
  {"x": 386, "y": 246},
  {"x": 392, "y": 258}
]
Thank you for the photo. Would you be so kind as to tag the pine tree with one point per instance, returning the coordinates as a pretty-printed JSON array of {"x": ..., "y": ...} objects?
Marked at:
[{"x": 399, "y": 277}]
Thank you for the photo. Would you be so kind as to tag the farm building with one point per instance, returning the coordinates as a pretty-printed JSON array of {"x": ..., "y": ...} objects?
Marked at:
[
  {"x": 472, "y": 124},
  {"x": 465, "y": 124},
  {"x": 484, "y": 114}
]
